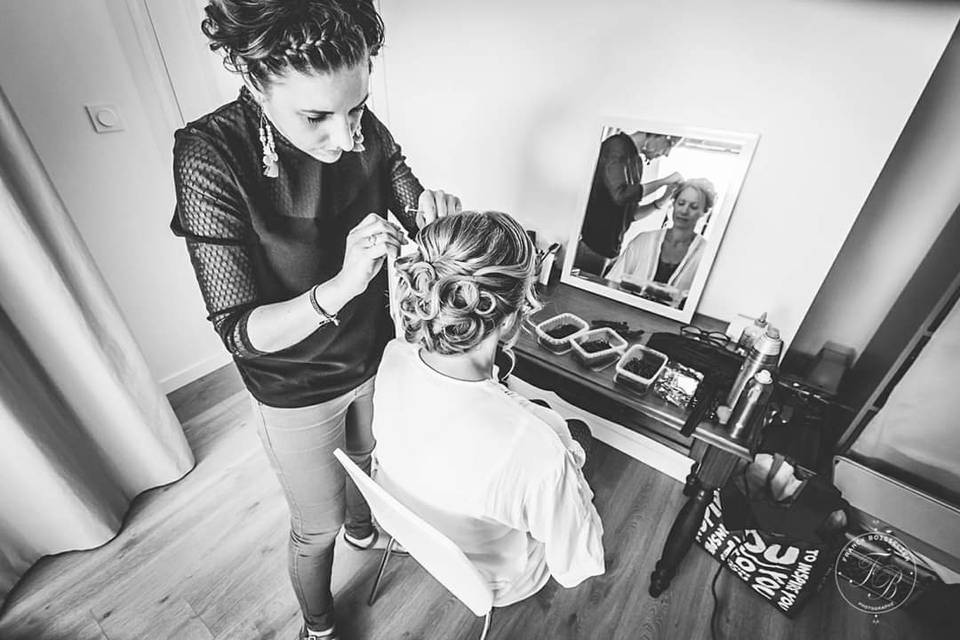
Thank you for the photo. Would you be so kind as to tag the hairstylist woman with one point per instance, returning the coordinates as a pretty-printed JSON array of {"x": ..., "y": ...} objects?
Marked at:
[{"x": 282, "y": 196}]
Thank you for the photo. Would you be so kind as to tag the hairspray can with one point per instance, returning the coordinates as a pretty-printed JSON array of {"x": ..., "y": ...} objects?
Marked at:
[
  {"x": 750, "y": 405},
  {"x": 764, "y": 354}
]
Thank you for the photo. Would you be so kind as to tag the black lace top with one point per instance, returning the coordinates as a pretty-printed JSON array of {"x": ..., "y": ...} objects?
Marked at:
[{"x": 255, "y": 240}]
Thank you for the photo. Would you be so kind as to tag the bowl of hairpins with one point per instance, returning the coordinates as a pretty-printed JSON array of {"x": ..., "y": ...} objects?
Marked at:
[
  {"x": 598, "y": 348},
  {"x": 639, "y": 367},
  {"x": 555, "y": 334}
]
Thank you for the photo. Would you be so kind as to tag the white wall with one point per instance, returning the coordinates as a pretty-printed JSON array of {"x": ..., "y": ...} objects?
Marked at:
[
  {"x": 495, "y": 101},
  {"x": 491, "y": 99},
  {"x": 917, "y": 192},
  {"x": 197, "y": 75},
  {"x": 55, "y": 56}
]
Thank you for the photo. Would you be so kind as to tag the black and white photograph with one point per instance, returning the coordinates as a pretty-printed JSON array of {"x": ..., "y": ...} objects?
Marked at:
[{"x": 459, "y": 320}]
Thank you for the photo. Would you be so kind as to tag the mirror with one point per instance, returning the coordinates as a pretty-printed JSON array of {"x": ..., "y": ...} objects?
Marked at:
[{"x": 653, "y": 212}]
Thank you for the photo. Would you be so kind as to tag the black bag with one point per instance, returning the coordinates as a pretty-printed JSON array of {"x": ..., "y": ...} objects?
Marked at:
[
  {"x": 778, "y": 528},
  {"x": 783, "y": 571}
]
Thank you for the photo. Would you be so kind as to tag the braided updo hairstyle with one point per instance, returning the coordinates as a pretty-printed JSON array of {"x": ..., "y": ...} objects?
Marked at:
[
  {"x": 265, "y": 38},
  {"x": 474, "y": 273}
]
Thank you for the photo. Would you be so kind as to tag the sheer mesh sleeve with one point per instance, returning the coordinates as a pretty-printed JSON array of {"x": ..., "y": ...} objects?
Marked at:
[
  {"x": 210, "y": 217},
  {"x": 405, "y": 188}
]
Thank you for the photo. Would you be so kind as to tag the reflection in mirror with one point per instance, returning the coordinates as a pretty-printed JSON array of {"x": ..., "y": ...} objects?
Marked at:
[{"x": 655, "y": 211}]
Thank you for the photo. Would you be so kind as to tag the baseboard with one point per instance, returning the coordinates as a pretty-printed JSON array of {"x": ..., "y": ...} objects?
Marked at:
[
  {"x": 194, "y": 371},
  {"x": 639, "y": 447}
]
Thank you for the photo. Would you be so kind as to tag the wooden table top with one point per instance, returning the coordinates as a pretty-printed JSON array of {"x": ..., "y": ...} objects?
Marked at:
[{"x": 654, "y": 412}]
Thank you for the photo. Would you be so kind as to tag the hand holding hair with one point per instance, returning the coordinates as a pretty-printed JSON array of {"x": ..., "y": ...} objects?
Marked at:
[
  {"x": 367, "y": 246},
  {"x": 436, "y": 204}
]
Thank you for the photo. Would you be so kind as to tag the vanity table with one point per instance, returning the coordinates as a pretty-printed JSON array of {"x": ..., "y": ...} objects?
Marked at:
[
  {"x": 630, "y": 419},
  {"x": 641, "y": 425}
]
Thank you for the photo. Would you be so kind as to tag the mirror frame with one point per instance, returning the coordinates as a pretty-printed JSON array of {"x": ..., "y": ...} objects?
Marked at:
[{"x": 748, "y": 142}]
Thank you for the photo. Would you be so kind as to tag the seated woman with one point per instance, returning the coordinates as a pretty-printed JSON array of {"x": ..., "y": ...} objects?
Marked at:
[
  {"x": 670, "y": 255},
  {"x": 497, "y": 474}
]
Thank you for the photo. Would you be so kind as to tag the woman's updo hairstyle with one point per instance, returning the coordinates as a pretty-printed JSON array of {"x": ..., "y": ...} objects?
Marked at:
[
  {"x": 265, "y": 38},
  {"x": 474, "y": 273}
]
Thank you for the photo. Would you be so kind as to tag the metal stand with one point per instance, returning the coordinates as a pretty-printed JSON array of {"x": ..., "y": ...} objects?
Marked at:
[
  {"x": 383, "y": 565},
  {"x": 380, "y": 571}
]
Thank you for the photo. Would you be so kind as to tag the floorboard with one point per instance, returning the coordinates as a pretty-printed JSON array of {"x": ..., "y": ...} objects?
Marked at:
[{"x": 204, "y": 559}]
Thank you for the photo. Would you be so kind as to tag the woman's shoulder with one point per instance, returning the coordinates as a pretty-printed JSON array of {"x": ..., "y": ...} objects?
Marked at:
[
  {"x": 399, "y": 363},
  {"x": 375, "y": 130},
  {"x": 645, "y": 238},
  {"x": 536, "y": 426},
  {"x": 227, "y": 129},
  {"x": 377, "y": 133},
  {"x": 373, "y": 124},
  {"x": 397, "y": 350}
]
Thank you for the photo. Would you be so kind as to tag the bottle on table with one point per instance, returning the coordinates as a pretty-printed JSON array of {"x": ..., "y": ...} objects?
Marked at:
[
  {"x": 763, "y": 354},
  {"x": 747, "y": 415}
]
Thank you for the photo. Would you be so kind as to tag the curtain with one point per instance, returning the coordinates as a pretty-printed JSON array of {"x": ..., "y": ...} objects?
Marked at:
[
  {"x": 917, "y": 432},
  {"x": 83, "y": 426}
]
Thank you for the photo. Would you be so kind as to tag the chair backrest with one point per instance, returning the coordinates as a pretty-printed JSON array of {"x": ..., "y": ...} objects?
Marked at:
[{"x": 434, "y": 551}]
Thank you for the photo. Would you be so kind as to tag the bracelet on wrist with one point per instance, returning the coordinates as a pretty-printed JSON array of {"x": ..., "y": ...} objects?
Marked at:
[{"x": 326, "y": 317}]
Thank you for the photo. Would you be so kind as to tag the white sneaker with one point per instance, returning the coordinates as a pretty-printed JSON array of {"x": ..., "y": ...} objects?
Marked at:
[
  {"x": 326, "y": 634},
  {"x": 374, "y": 541}
]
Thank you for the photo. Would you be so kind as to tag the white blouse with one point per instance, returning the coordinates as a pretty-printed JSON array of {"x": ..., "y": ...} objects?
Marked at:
[
  {"x": 497, "y": 474},
  {"x": 641, "y": 257}
]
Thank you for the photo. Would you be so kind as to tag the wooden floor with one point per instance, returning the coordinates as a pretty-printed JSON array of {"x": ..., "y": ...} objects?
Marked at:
[{"x": 204, "y": 559}]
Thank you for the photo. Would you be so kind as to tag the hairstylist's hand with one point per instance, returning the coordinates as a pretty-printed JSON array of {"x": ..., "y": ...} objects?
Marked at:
[
  {"x": 664, "y": 200},
  {"x": 435, "y": 204},
  {"x": 367, "y": 246},
  {"x": 674, "y": 179}
]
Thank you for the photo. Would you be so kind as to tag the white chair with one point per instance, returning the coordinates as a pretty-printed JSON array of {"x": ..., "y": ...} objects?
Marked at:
[{"x": 434, "y": 551}]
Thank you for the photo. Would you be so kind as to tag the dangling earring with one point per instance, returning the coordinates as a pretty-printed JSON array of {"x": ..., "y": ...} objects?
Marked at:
[
  {"x": 358, "y": 139},
  {"x": 270, "y": 157}
]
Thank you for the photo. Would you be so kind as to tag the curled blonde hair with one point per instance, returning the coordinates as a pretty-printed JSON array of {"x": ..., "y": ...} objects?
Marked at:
[{"x": 474, "y": 272}]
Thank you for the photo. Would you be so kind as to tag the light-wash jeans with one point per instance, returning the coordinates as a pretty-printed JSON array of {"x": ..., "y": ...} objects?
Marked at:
[{"x": 299, "y": 443}]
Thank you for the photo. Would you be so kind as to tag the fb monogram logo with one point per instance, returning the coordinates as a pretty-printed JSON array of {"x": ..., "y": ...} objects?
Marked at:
[{"x": 876, "y": 573}]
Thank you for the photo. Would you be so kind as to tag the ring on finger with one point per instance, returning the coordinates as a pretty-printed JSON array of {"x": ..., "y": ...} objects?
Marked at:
[{"x": 372, "y": 240}]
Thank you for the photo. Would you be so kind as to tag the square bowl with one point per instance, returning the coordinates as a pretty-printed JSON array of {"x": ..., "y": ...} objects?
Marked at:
[
  {"x": 598, "y": 348},
  {"x": 555, "y": 333},
  {"x": 639, "y": 377}
]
